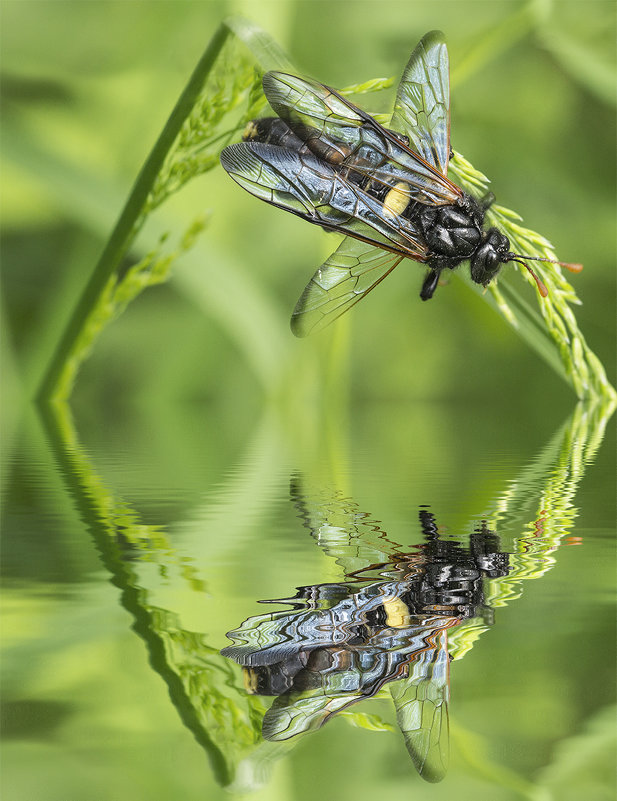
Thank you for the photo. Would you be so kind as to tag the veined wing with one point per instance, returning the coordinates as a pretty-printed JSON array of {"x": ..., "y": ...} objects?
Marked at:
[
  {"x": 422, "y": 107},
  {"x": 317, "y": 112},
  {"x": 310, "y": 188},
  {"x": 421, "y": 702},
  {"x": 347, "y": 276}
]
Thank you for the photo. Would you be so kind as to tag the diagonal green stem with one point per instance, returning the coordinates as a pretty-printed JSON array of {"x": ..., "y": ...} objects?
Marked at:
[
  {"x": 126, "y": 227},
  {"x": 75, "y": 341}
]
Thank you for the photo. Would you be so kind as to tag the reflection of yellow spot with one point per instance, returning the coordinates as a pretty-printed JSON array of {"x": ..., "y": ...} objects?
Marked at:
[
  {"x": 397, "y": 199},
  {"x": 397, "y": 613},
  {"x": 250, "y": 681}
]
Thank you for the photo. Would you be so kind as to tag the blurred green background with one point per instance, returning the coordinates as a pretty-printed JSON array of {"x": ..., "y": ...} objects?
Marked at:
[{"x": 195, "y": 408}]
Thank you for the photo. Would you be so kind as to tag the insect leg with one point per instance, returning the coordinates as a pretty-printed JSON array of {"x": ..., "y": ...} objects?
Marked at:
[
  {"x": 487, "y": 201},
  {"x": 430, "y": 284}
]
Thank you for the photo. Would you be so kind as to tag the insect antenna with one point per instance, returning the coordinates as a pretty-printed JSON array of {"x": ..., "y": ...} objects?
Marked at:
[{"x": 573, "y": 267}]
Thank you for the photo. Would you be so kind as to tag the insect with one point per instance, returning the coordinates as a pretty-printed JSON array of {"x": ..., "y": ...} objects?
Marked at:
[{"x": 329, "y": 162}]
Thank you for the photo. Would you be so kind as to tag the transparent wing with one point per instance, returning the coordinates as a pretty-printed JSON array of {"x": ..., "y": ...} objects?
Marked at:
[
  {"x": 310, "y": 188},
  {"x": 421, "y": 702},
  {"x": 422, "y": 107},
  {"x": 318, "y": 113},
  {"x": 347, "y": 276}
]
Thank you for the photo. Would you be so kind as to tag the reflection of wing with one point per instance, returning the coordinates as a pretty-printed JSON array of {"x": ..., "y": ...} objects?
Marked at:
[
  {"x": 353, "y": 537},
  {"x": 421, "y": 702},
  {"x": 347, "y": 276},
  {"x": 334, "y": 679},
  {"x": 310, "y": 188},
  {"x": 293, "y": 714},
  {"x": 316, "y": 112},
  {"x": 422, "y": 107}
]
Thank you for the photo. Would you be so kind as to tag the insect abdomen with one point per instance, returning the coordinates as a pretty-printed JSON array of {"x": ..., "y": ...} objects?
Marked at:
[{"x": 275, "y": 131}]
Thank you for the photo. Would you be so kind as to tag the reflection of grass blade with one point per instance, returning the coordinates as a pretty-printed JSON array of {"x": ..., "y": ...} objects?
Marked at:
[
  {"x": 224, "y": 720},
  {"x": 188, "y": 145},
  {"x": 548, "y": 486},
  {"x": 556, "y": 514}
]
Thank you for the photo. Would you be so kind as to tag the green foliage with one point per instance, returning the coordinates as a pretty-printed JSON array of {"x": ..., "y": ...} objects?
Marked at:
[
  {"x": 202, "y": 684},
  {"x": 122, "y": 288},
  {"x": 554, "y": 332},
  {"x": 553, "y": 514},
  {"x": 234, "y": 85}
]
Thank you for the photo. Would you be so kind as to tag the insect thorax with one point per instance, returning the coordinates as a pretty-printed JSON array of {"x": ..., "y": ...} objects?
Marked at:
[{"x": 454, "y": 233}]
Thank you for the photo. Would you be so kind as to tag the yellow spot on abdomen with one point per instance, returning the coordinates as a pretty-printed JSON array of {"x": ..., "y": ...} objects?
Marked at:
[{"x": 397, "y": 199}]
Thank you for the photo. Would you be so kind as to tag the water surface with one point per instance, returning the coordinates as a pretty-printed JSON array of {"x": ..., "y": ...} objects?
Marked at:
[{"x": 408, "y": 569}]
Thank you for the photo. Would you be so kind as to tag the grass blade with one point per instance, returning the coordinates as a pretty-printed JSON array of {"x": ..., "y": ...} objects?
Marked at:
[
  {"x": 187, "y": 146},
  {"x": 551, "y": 329}
]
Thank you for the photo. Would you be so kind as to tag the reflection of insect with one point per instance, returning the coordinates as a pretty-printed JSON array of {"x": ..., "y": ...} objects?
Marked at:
[
  {"x": 332, "y": 164},
  {"x": 386, "y": 625}
]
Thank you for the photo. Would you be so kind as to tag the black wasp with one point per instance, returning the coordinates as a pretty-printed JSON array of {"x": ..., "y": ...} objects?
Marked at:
[{"x": 332, "y": 164}]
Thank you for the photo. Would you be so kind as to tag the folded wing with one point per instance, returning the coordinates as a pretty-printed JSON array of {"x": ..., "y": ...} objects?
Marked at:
[
  {"x": 310, "y": 188},
  {"x": 318, "y": 113}
]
